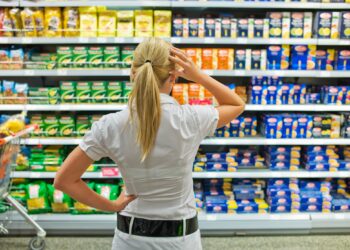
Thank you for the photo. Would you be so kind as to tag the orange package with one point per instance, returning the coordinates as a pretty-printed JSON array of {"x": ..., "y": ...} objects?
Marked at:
[
  {"x": 225, "y": 59},
  {"x": 194, "y": 91},
  {"x": 209, "y": 58},
  {"x": 195, "y": 55},
  {"x": 180, "y": 93}
]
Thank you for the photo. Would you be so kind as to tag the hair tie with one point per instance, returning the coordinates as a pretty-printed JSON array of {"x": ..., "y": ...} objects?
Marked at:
[{"x": 148, "y": 61}]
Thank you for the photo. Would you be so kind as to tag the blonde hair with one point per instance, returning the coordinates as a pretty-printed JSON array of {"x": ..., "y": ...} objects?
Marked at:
[{"x": 150, "y": 70}]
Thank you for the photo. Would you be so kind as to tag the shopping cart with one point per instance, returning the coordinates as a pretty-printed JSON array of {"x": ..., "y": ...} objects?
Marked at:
[{"x": 9, "y": 147}]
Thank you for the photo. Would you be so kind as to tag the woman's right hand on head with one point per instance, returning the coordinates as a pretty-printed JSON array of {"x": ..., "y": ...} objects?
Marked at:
[
  {"x": 123, "y": 200},
  {"x": 189, "y": 70}
]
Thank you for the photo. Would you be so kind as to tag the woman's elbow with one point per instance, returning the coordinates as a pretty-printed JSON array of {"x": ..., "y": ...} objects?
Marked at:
[{"x": 59, "y": 183}]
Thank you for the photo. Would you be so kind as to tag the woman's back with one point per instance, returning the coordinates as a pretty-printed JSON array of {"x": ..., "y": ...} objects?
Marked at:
[{"x": 162, "y": 182}]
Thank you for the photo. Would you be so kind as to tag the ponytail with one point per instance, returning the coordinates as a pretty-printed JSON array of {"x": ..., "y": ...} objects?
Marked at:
[{"x": 146, "y": 98}]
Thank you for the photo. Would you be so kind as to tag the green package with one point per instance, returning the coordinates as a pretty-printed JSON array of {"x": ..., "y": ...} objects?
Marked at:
[
  {"x": 127, "y": 88},
  {"x": 42, "y": 61},
  {"x": 98, "y": 92},
  {"x": 83, "y": 124},
  {"x": 83, "y": 92},
  {"x": 95, "y": 57},
  {"x": 37, "y": 164},
  {"x": 111, "y": 56},
  {"x": 54, "y": 95},
  {"x": 108, "y": 191},
  {"x": 79, "y": 57},
  {"x": 64, "y": 57},
  {"x": 38, "y": 120},
  {"x": 59, "y": 201},
  {"x": 80, "y": 208},
  {"x": 38, "y": 95},
  {"x": 67, "y": 91},
  {"x": 115, "y": 91},
  {"x": 127, "y": 56},
  {"x": 18, "y": 191},
  {"x": 95, "y": 118},
  {"x": 36, "y": 194},
  {"x": 66, "y": 126},
  {"x": 51, "y": 125}
]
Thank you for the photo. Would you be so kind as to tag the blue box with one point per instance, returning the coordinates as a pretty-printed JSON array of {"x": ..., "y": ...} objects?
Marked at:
[
  {"x": 274, "y": 80},
  {"x": 345, "y": 25},
  {"x": 242, "y": 27},
  {"x": 343, "y": 60},
  {"x": 269, "y": 95},
  {"x": 193, "y": 27},
  {"x": 280, "y": 208},
  {"x": 299, "y": 57},
  {"x": 259, "y": 80},
  {"x": 209, "y": 27},
  {"x": 240, "y": 59},
  {"x": 256, "y": 95}
]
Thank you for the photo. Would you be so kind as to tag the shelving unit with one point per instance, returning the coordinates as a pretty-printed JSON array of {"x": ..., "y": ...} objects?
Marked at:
[{"x": 210, "y": 141}]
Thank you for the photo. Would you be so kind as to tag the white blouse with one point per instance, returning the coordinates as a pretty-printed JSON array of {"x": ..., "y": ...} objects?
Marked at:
[{"x": 163, "y": 182}]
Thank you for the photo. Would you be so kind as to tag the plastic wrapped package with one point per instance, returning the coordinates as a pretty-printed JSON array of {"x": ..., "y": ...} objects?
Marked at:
[
  {"x": 36, "y": 194},
  {"x": 71, "y": 22},
  {"x": 59, "y": 201},
  {"x": 53, "y": 22}
]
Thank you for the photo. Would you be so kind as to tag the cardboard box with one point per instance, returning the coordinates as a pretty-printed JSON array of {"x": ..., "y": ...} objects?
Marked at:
[{"x": 143, "y": 23}]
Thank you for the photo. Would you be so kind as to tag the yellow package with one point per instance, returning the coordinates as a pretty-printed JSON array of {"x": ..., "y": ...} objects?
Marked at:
[
  {"x": 70, "y": 22},
  {"x": 125, "y": 23},
  {"x": 39, "y": 21},
  {"x": 143, "y": 23},
  {"x": 7, "y": 24},
  {"x": 53, "y": 22},
  {"x": 16, "y": 21},
  {"x": 162, "y": 23},
  {"x": 107, "y": 23},
  {"x": 28, "y": 22},
  {"x": 88, "y": 22}
]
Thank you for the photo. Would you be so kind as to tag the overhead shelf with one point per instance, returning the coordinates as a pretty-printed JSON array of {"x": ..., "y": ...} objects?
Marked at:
[
  {"x": 175, "y": 40},
  {"x": 9, "y": 3},
  {"x": 303, "y": 223},
  {"x": 210, "y": 141},
  {"x": 251, "y": 173},
  {"x": 227, "y": 73},
  {"x": 108, "y": 3},
  {"x": 117, "y": 107}
]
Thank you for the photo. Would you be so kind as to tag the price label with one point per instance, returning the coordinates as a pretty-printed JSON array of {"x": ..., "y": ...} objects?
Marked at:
[
  {"x": 29, "y": 72},
  {"x": 110, "y": 172},
  {"x": 62, "y": 72}
]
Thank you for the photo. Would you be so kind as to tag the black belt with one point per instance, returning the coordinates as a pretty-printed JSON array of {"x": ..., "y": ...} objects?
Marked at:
[{"x": 157, "y": 228}]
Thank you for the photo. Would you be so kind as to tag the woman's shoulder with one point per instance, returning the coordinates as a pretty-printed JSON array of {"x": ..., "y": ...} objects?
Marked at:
[{"x": 114, "y": 119}]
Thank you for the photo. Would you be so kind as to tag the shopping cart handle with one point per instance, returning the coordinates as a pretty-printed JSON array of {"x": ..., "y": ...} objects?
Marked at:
[{"x": 23, "y": 132}]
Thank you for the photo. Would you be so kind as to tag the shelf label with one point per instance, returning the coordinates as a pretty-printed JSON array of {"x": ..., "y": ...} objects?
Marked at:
[
  {"x": 242, "y": 40},
  {"x": 27, "y": 40},
  {"x": 275, "y": 217},
  {"x": 101, "y": 40},
  {"x": 83, "y": 40},
  {"x": 110, "y": 172},
  {"x": 212, "y": 217},
  {"x": 175, "y": 40},
  {"x": 62, "y": 72},
  {"x": 325, "y": 74},
  {"x": 35, "y": 175},
  {"x": 29, "y": 72},
  {"x": 239, "y": 72},
  {"x": 339, "y": 216},
  {"x": 4, "y": 40},
  {"x": 209, "y": 40}
]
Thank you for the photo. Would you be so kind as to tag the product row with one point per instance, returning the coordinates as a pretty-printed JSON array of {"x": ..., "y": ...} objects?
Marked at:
[
  {"x": 101, "y": 22},
  {"x": 68, "y": 92},
  {"x": 275, "y": 158},
  {"x": 273, "y": 195},
  {"x": 41, "y": 197}
]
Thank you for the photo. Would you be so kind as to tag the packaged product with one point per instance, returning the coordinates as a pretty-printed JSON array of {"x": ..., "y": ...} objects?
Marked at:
[
  {"x": 114, "y": 91},
  {"x": 6, "y": 23},
  {"x": 28, "y": 22},
  {"x": 15, "y": 15},
  {"x": 98, "y": 91},
  {"x": 18, "y": 191},
  {"x": 53, "y": 22},
  {"x": 67, "y": 91},
  {"x": 108, "y": 191},
  {"x": 297, "y": 25},
  {"x": 303, "y": 57},
  {"x": 195, "y": 54},
  {"x": 286, "y": 25},
  {"x": 308, "y": 19},
  {"x": 36, "y": 194},
  {"x": 127, "y": 56},
  {"x": 177, "y": 26},
  {"x": 107, "y": 23},
  {"x": 250, "y": 27},
  {"x": 343, "y": 60},
  {"x": 193, "y": 26},
  {"x": 60, "y": 202},
  {"x": 127, "y": 87},
  {"x": 323, "y": 24},
  {"x": 54, "y": 95},
  {"x": 37, "y": 119},
  {"x": 83, "y": 124},
  {"x": 258, "y": 28},
  {"x": 233, "y": 28},
  {"x": 80, "y": 208},
  {"x": 4, "y": 59},
  {"x": 111, "y": 57},
  {"x": 201, "y": 27},
  {"x": 95, "y": 57},
  {"x": 38, "y": 95},
  {"x": 225, "y": 59},
  {"x": 242, "y": 27},
  {"x": 83, "y": 92},
  {"x": 16, "y": 57},
  {"x": 335, "y": 25},
  {"x": 51, "y": 125},
  {"x": 21, "y": 90},
  {"x": 88, "y": 21},
  {"x": 41, "y": 61},
  {"x": 71, "y": 22},
  {"x": 39, "y": 21},
  {"x": 278, "y": 57},
  {"x": 226, "y": 26},
  {"x": 345, "y": 25},
  {"x": 162, "y": 23},
  {"x": 256, "y": 60},
  {"x": 64, "y": 57},
  {"x": 275, "y": 24},
  {"x": 125, "y": 23},
  {"x": 240, "y": 59},
  {"x": 66, "y": 126},
  {"x": 209, "y": 58},
  {"x": 79, "y": 56},
  {"x": 8, "y": 92},
  {"x": 143, "y": 23},
  {"x": 209, "y": 26},
  {"x": 180, "y": 93},
  {"x": 325, "y": 59}
]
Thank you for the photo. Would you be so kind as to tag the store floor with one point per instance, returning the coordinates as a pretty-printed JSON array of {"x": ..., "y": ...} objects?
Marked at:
[{"x": 319, "y": 242}]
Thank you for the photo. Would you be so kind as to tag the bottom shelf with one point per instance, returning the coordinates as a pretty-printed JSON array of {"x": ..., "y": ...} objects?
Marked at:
[{"x": 210, "y": 224}]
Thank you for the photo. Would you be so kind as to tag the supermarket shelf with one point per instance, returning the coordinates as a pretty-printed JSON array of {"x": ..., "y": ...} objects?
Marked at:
[
  {"x": 252, "y": 173},
  {"x": 63, "y": 107},
  {"x": 228, "y": 73},
  {"x": 210, "y": 141},
  {"x": 9, "y": 3},
  {"x": 175, "y": 40},
  {"x": 109, "y": 3},
  {"x": 116, "y": 107},
  {"x": 210, "y": 224}
]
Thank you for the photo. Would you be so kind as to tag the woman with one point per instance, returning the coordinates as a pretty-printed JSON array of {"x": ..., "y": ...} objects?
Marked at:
[{"x": 154, "y": 142}]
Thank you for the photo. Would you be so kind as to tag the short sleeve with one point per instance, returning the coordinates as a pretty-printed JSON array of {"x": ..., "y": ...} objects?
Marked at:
[
  {"x": 206, "y": 117},
  {"x": 93, "y": 143}
]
